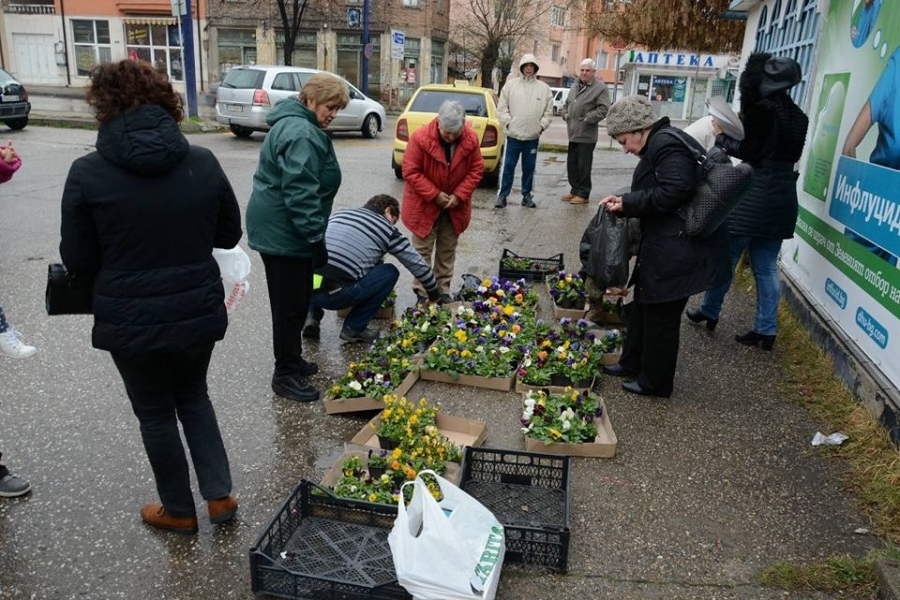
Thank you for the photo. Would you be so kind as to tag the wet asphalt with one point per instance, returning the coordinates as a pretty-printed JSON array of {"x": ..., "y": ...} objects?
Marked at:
[{"x": 706, "y": 488}]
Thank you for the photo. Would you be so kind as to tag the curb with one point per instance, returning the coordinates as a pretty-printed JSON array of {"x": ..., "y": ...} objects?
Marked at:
[
  {"x": 888, "y": 573},
  {"x": 85, "y": 122}
]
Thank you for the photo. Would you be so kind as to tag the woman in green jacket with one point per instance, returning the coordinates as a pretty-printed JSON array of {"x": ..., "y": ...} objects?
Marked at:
[{"x": 294, "y": 187}]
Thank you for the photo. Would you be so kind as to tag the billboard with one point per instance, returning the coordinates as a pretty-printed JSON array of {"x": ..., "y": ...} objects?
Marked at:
[{"x": 847, "y": 239}]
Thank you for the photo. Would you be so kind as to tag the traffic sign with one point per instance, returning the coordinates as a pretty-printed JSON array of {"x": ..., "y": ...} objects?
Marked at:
[{"x": 398, "y": 40}]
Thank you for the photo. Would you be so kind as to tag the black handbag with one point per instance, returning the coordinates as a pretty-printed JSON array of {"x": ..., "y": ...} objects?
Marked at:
[
  {"x": 721, "y": 187},
  {"x": 67, "y": 295}
]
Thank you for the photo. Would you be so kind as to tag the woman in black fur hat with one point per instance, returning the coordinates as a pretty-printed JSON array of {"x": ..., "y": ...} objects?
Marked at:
[{"x": 775, "y": 134}]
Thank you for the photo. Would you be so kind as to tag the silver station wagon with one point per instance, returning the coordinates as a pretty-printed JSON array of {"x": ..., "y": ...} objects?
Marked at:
[{"x": 248, "y": 93}]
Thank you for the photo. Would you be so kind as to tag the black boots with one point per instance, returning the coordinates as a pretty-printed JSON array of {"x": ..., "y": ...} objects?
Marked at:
[
  {"x": 751, "y": 338},
  {"x": 695, "y": 316}
]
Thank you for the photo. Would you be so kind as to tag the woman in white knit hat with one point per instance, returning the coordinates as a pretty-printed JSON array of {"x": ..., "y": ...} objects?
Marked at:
[{"x": 671, "y": 266}]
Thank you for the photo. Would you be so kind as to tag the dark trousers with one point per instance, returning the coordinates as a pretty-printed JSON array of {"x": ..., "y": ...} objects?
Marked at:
[
  {"x": 651, "y": 344},
  {"x": 3, "y": 470},
  {"x": 365, "y": 296},
  {"x": 165, "y": 388},
  {"x": 290, "y": 291},
  {"x": 579, "y": 162}
]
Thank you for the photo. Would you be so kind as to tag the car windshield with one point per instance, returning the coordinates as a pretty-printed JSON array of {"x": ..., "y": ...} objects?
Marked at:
[
  {"x": 6, "y": 78},
  {"x": 244, "y": 79},
  {"x": 430, "y": 101}
]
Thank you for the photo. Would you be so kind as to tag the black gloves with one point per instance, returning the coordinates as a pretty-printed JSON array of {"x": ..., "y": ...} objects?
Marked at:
[
  {"x": 319, "y": 254},
  {"x": 434, "y": 296}
]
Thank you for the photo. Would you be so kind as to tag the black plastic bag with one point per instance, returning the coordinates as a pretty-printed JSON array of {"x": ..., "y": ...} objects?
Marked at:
[{"x": 604, "y": 250}]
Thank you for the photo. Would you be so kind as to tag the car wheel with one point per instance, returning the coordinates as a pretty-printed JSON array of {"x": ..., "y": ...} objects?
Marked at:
[
  {"x": 241, "y": 132},
  {"x": 491, "y": 180},
  {"x": 398, "y": 173},
  {"x": 370, "y": 126},
  {"x": 16, "y": 124}
]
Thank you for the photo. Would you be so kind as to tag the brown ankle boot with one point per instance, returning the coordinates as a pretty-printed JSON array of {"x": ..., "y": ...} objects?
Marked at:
[
  {"x": 155, "y": 515},
  {"x": 222, "y": 509}
]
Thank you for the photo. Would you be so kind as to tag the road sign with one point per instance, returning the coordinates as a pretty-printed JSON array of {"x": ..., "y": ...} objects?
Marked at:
[
  {"x": 178, "y": 8},
  {"x": 398, "y": 40},
  {"x": 368, "y": 50}
]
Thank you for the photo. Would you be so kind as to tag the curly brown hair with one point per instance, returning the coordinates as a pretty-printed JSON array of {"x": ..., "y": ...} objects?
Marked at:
[{"x": 125, "y": 85}]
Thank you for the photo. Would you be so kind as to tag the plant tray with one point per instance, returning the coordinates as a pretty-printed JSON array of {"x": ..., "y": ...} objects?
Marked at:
[
  {"x": 539, "y": 269},
  {"x": 524, "y": 388},
  {"x": 529, "y": 493},
  {"x": 364, "y": 403},
  {"x": 603, "y": 446},
  {"x": 319, "y": 547}
]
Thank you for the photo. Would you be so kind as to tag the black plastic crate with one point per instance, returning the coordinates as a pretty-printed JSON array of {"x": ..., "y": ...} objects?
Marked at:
[
  {"x": 320, "y": 547},
  {"x": 529, "y": 493},
  {"x": 538, "y": 270}
]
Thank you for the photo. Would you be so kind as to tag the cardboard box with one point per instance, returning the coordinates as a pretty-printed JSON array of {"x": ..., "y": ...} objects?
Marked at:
[
  {"x": 383, "y": 313},
  {"x": 570, "y": 313},
  {"x": 502, "y": 384},
  {"x": 603, "y": 446},
  {"x": 348, "y": 405},
  {"x": 453, "y": 471},
  {"x": 524, "y": 388},
  {"x": 611, "y": 358},
  {"x": 460, "y": 431}
]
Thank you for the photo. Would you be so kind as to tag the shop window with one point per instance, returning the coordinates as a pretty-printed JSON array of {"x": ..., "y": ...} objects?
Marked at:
[
  {"x": 92, "y": 46},
  {"x": 305, "y": 51},
  {"x": 411, "y": 3},
  {"x": 158, "y": 44},
  {"x": 236, "y": 47}
]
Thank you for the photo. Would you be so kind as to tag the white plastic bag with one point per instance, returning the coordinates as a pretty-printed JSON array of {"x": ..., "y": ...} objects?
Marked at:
[
  {"x": 447, "y": 550},
  {"x": 234, "y": 264}
]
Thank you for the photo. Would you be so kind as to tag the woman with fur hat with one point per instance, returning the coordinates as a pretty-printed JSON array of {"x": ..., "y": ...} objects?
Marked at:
[
  {"x": 671, "y": 266},
  {"x": 775, "y": 134}
]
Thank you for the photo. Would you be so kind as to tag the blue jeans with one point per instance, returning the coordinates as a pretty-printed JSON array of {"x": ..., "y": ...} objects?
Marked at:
[
  {"x": 514, "y": 148},
  {"x": 365, "y": 296},
  {"x": 764, "y": 265},
  {"x": 166, "y": 388}
]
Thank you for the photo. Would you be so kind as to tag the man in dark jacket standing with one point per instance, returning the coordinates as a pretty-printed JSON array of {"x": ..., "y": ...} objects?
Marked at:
[{"x": 586, "y": 106}]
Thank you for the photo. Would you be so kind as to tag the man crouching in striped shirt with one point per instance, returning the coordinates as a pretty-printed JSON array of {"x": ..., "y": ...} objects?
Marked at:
[{"x": 356, "y": 276}]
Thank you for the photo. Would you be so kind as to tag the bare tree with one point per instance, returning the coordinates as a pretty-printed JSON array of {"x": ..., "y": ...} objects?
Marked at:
[
  {"x": 495, "y": 28},
  {"x": 694, "y": 25},
  {"x": 291, "y": 13}
]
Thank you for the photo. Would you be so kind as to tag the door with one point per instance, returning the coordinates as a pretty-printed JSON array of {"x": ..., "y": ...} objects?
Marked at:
[{"x": 35, "y": 60}]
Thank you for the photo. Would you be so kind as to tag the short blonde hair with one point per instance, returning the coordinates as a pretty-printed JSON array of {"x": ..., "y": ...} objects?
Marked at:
[{"x": 322, "y": 88}]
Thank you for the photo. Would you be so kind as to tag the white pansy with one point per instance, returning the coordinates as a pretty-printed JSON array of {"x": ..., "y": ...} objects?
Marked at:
[
  {"x": 566, "y": 425},
  {"x": 355, "y": 386},
  {"x": 529, "y": 401},
  {"x": 379, "y": 378},
  {"x": 527, "y": 362},
  {"x": 504, "y": 349},
  {"x": 424, "y": 326}
]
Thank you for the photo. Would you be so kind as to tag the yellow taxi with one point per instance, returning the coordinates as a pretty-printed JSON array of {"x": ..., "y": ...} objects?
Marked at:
[{"x": 481, "y": 113}]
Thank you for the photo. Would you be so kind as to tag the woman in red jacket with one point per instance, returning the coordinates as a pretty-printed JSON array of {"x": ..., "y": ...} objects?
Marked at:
[{"x": 442, "y": 167}]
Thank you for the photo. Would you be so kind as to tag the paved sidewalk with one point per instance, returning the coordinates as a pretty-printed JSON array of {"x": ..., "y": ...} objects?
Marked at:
[{"x": 707, "y": 487}]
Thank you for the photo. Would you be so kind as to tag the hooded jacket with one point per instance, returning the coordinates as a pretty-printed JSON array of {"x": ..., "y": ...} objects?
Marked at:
[
  {"x": 526, "y": 104},
  {"x": 141, "y": 216},
  {"x": 775, "y": 135},
  {"x": 427, "y": 173},
  {"x": 295, "y": 183}
]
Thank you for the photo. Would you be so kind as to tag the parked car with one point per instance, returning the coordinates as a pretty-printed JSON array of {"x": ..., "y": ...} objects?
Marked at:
[
  {"x": 248, "y": 93},
  {"x": 14, "y": 104},
  {"x": 559, "y": 99},
  {"x": 481, "y": 111}
]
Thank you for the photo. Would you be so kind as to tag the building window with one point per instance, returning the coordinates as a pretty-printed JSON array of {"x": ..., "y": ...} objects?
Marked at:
[
  {"x": 557, "y": 15},
  {"x": 305, "y": 51},
  {"x": 158, "y": 44},
  {"x": 792, "y": 35},
  {"x": 437, "y": 61},
  {"x": 411, "y": 3},
  {"x": 236, "y": 47},
  {"x": 554, "y": 53},
  {"x": 440, "y": 7},
  {"x": 602, "y": 60},
  {"x": 92, "y": 47}
]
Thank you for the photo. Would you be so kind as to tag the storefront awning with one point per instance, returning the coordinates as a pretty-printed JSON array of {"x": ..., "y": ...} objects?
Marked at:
[{"x": 149, "y": 20}]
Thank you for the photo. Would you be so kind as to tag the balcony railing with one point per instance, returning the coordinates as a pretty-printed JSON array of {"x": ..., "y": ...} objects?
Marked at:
[{"x": 30, "y": 9}]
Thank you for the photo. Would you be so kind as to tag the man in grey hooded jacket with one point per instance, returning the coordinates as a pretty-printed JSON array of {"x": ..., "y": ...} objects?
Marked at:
[
  {"x": 585, "y": 107},
  {"x": 525, "y": 109}
]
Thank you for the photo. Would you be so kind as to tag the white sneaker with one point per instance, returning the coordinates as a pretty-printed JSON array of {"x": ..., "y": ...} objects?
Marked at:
[{"x": 12, "y": 346}]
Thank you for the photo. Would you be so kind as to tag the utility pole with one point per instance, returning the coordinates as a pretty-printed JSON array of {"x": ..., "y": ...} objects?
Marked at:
[
  {"x": 187, "y": 58},
  {"x": 367, "y": 49}
]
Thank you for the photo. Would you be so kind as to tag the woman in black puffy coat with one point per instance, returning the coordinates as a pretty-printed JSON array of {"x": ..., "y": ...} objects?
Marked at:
[
  {"x": 775, "y": 132},
  {"x": 671, "y": 266},
  {"x": 140, "y": 216}
]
